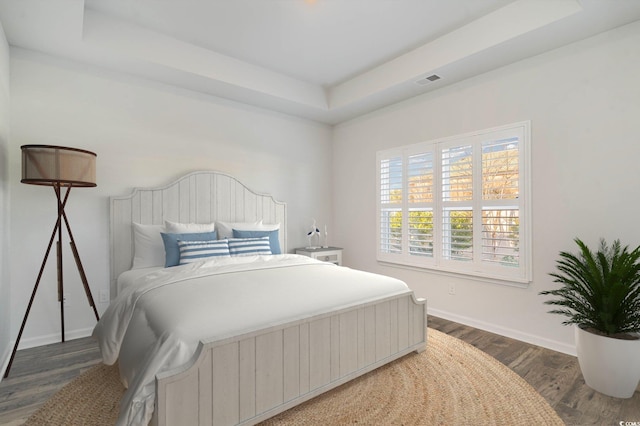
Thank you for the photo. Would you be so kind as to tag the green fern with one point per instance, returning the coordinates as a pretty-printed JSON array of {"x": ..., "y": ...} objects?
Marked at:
[{"x": 599, "y": 290}]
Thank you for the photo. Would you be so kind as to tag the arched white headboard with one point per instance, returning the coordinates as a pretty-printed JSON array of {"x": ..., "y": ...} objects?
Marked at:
[{"x": 199, "y": 197}]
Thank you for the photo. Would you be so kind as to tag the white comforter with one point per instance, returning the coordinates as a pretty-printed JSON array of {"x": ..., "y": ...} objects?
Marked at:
[{"x": 155, "y": 325}]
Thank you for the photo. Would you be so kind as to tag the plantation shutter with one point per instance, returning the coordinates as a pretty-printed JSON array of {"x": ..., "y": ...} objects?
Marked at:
[
  {"x": 457, "y": 201},
  {"x": 420, "y": 185},
  {"x": 500, "y": 202},
  {"x": 390, "y": 180}
]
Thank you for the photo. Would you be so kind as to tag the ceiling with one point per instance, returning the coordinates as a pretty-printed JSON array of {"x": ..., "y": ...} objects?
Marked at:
[{"x": 326, "y": 60}]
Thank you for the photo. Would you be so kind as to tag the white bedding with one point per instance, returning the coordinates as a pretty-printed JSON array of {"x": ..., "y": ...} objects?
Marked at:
[
  {"x": 128, "y": 278},
  {"x": 156, "y": 324}
]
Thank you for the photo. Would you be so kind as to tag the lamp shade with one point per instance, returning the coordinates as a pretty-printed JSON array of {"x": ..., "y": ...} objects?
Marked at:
[{"x": 58, "y": 165}]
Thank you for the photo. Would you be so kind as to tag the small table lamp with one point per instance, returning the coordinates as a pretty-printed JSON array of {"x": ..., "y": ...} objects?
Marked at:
[{"x": 58, "y": 167}]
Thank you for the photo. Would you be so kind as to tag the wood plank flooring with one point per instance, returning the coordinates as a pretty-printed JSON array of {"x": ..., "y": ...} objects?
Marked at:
[{"x": 37, "y": 373}]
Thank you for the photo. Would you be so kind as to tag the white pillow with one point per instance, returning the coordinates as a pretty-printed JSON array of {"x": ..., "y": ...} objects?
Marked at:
[
  {"x": 225, "y": 229},
  {"x": 148, "y": 247},
  {"x": 266, "y": 227},
  {"x": 188, "y": 228}
]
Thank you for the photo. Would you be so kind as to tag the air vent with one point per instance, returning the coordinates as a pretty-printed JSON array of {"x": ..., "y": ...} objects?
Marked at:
[{"x": 428, "y": 80}]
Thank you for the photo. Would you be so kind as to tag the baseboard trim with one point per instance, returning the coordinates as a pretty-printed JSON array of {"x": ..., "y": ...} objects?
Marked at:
[{"x": 505, "y": 331}]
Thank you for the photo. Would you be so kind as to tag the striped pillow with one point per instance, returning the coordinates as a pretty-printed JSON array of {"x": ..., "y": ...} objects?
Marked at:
[
  {"x": 249, "y": 246},
  {"x": 195, "y": 251}
]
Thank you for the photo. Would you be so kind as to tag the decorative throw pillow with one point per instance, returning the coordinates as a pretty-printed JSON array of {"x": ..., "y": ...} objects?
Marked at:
[
  {"x": 172, "y": 251},
  {"x": 249, "y": 246},
  {"x": 195, "y": 251},
  {"x": 274, "y": 242}
]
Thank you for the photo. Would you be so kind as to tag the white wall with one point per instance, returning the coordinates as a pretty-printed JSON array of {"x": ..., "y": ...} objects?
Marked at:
[
  {"x": 5, "y": 303},
  {"x": 144, "y": 134},
  {"x": 584, "y": 104}
]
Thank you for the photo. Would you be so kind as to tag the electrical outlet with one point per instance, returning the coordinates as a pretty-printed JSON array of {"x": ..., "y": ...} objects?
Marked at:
[
  {"x": 104, "y": 296},
  {"x": 452, "y": 289}
]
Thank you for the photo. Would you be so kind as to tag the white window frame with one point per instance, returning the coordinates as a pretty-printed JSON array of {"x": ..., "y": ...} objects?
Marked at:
[{"x": 475, "y": 267}]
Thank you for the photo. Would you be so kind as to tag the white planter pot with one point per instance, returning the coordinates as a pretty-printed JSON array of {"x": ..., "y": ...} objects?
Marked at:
[{"x": 610, "y": 366}]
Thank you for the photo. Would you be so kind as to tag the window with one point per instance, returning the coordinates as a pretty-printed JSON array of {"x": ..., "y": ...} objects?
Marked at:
[{"x": 459, "y": 205}]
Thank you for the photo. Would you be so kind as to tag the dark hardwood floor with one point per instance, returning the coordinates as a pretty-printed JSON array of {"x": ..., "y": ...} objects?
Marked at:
[{"x": 39, "y": 372}]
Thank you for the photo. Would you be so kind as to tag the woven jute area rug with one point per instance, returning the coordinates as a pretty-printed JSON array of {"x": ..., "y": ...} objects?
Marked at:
[{"x": 451, "y": 383}]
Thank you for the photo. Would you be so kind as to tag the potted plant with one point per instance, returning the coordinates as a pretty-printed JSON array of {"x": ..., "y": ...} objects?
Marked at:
[{"x": 600, "y": 295}]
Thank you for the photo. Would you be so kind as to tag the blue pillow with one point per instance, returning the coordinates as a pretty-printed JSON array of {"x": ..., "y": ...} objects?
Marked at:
[
  {"x": 274, "y": 242},
  {"x": 171, "y": 249},
  {"x": 249, "y": 246},
  {"x": 195, "y": 251}
]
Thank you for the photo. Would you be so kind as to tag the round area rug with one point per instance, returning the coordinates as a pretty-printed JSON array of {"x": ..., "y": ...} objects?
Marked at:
[{"x": 451, "y": 383}]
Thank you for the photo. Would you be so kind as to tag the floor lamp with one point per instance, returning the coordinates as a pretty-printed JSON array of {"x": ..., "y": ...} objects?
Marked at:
[{"x": 58, "y": 167}]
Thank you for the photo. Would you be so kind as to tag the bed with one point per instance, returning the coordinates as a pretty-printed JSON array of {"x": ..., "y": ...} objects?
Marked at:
[{"x": 294, "y": 327}]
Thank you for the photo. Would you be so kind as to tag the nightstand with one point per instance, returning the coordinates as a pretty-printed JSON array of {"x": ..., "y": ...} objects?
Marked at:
[{"x": 326, "y": 254}]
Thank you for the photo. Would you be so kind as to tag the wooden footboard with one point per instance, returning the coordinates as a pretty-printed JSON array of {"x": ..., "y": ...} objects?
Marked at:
[{"x": 249, "y": 378}]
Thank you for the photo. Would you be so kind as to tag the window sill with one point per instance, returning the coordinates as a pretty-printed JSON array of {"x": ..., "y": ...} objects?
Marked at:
[{"x": 469, "y": 275}]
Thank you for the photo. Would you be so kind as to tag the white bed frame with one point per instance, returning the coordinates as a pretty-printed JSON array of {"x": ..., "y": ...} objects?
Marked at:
[{"x": 248, "y": 378}]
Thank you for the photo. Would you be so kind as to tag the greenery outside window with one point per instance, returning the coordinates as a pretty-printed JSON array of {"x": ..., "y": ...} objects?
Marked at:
[{"x": 461, "y": 204}]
